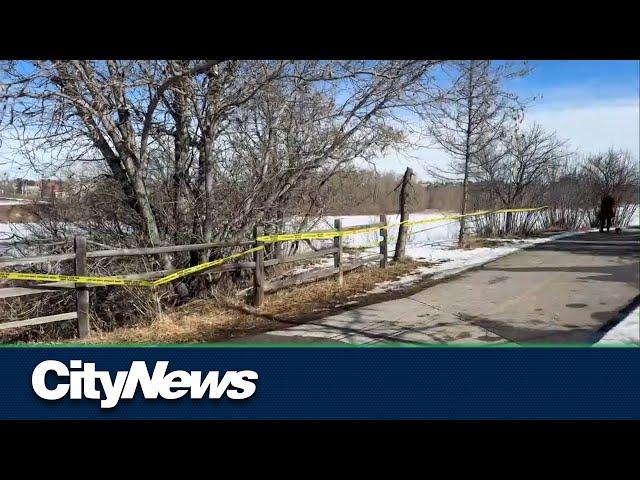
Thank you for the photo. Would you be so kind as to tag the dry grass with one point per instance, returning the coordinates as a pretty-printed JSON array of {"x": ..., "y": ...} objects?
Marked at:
[
  {"x": 17, "y": 213},
  {"x": 224, "y": 318},
  {"x": 199, "y": 321},
  {"x": 556, "y": 228},
  {"x": 477, "y": 242},
  {"x": 326, "y": 295}
]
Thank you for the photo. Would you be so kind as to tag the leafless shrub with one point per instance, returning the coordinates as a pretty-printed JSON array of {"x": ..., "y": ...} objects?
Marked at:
[
  {"x": 612, "y": 173},
  {"x": 471, "y": 115},
  {"x": 31, "y": 306},
  {"x": 203, "y": 150},
  {"x": 510, "y": 174},
  {"x": 575, "y": 188},
  {"x": 518, "y": 224}
]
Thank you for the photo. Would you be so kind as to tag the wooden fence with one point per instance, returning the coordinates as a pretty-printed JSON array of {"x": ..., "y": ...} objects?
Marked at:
[{"x": 260, "y": 282}]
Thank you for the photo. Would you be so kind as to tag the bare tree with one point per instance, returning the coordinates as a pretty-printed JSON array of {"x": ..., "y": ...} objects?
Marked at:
[
  {"x": 94, "y": 111},
  {"x": 203, "y": 150},
  {"x": 514, "y": 167},
  {"x": 471, "y": 114},
  {"x": 405, "y": 186},
  {"x": 565, "y": 193},
  {"x": 612, "y": 173}
]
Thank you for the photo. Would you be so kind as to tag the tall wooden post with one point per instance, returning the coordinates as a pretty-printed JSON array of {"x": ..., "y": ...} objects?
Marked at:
[
  {"x": 82, "y": 292},
  {"x": 277, "y": 250},
  {"x": 337, "y": 256},
  {"x": 258, "y": 274},
  {"x": 277, "y": 246},
  {"x": 401, "y": 243},
  {"x": 508, "y": 222},
  {"x": 384, "y": 243}
]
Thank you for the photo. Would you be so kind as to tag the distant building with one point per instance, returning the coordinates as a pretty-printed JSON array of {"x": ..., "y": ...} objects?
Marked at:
[
  {"x": 45, "y": 188},
  {"x": 51, "y": 189},
  {"x": 7, "y": 189},
  {"x": 29, "y": 188}
]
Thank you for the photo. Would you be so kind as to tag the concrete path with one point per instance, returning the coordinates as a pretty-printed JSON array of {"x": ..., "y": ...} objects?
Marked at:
[{"x": 570, "y": 290}]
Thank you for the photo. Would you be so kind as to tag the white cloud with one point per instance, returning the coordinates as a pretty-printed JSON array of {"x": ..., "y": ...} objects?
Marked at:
[
  {"x": 595, "y": 127},
  {"x": 590, "y": 127},
  {"x": 419, "y": 159}
]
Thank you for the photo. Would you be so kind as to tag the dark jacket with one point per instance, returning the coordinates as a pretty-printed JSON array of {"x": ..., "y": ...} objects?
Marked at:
[{"x": 608, "y": 207}]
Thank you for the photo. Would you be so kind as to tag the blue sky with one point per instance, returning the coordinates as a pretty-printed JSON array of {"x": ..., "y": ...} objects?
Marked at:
[
  {"x": 594, "y": 104},
  {"x": 620, "y": 76},
  {"x": 581, "y": 80}
]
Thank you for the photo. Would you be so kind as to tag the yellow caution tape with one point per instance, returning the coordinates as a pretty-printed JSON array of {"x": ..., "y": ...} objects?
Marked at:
[
  {"x": 451, "y": 217},
  {"x": 440, "y": 219},
  {"x": 42, "y": 277},
  {"x": 287, "y": 237},
  {"x": 514, "y": 210},
  {"x": 203, "y": 266},
  {"x": 280, "y": 237}
]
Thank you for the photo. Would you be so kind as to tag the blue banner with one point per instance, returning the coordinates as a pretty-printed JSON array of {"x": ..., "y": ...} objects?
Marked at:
[{"x": 319, "y": 383}]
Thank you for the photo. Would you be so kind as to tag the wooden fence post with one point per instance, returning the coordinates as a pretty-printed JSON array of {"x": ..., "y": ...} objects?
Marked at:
[
  {"x": 82, "y": 292},
  {"x": 401, "y": 243},
  {"x": 384, "y": 244},
  {"x": 277, "y": 250},
  {"x": 258, "y": 273},
  {"x": 337, "y": 257},
  {"x": 277, "y": 246}
]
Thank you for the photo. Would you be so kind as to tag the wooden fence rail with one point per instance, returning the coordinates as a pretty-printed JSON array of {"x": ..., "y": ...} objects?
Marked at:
[
  {"x": 121, "y": 252},
  {"x": 260, "y": 284}
]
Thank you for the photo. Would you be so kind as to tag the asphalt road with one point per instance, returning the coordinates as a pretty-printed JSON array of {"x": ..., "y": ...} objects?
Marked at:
[{"x": 566, "y": 291}]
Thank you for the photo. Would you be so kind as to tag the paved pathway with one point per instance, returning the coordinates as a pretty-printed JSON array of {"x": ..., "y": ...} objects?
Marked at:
[{"x": 570, "y": 290}]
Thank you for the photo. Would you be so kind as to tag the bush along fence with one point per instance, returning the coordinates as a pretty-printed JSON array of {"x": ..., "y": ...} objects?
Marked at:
[{"x": 81, "y": 282}]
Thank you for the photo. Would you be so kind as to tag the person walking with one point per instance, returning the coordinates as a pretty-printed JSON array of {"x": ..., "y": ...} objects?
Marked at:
[{"x": 607, "y": 211}]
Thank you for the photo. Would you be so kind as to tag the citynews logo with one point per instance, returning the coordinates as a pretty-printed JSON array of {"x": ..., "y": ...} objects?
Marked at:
[{"x": 81, "y": 380}]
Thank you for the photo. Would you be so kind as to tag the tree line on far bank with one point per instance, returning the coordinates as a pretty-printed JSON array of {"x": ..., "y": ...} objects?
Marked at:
[{"x": 572, "y": 185}]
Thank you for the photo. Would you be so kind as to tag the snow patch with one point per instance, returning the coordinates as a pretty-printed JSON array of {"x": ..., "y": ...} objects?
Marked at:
[
  {"x": 635, "y": 218},
  {"x": 10, "y": 230},
  {"x": 19, "y": 201},
  {"x": 625, "y": 332}
]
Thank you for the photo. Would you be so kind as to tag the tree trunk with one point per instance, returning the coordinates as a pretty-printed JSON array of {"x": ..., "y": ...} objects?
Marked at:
[
  {"x": 181, "y": 153},
  {"x": 467, "y": 156},
  {"x": 401, "y": 243},
  {"x": 463, "y": 206},
  {"x": 149, "y": 218},
  {"x": 209, "y": 133},
  {"x": 209, "y": 199},
  {"x": 145, "y": 210}
]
